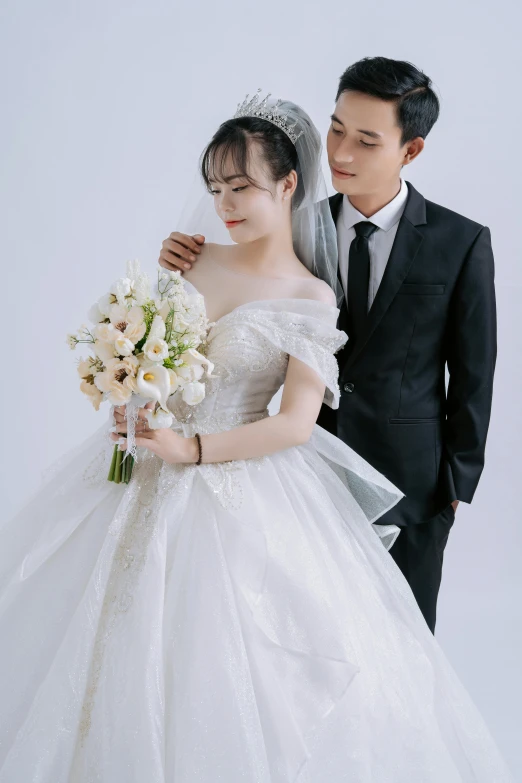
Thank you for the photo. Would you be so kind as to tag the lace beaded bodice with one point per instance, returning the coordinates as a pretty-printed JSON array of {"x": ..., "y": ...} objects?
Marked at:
[{"x": 249, "y": 348}]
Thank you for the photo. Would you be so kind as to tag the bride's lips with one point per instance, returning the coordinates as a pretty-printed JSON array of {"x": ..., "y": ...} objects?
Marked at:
[
  {"x": 233, "y": 223},
  {"x": 341, "y": 174}
]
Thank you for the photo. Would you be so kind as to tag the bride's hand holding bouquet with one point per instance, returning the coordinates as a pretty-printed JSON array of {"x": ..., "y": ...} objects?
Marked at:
[
  {"x": 144, "y": 349},
  {"x": 163, "y": 442}
]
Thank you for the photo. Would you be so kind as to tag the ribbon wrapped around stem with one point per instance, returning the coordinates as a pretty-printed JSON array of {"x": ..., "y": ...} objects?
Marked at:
[{"x": 122, "y": 462}]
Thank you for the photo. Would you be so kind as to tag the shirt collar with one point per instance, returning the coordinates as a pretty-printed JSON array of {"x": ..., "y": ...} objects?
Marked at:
[{"x": 385, "y": 218}]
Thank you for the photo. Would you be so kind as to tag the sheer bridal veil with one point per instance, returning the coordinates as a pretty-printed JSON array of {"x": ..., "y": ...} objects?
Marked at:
[{"x": 313, "y": 229}]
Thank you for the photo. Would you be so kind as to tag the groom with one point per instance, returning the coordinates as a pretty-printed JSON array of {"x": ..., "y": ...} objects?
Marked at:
[{"x": 419, "y": 297}]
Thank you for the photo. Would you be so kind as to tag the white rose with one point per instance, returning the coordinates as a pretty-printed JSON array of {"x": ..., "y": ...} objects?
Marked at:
[
  {"x": 193, "y": 393},
  {"x": 123, "y": 345},
  {"x": 159, "y": 419},
  {"x": 156, "y": 350}
]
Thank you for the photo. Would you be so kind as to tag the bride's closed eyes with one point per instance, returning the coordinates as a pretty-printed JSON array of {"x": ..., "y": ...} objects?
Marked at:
[{"x": 214, "y": 191}]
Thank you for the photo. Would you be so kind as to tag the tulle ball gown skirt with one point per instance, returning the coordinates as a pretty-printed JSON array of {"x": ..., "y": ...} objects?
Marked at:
[{"x": 239, "y": 623}]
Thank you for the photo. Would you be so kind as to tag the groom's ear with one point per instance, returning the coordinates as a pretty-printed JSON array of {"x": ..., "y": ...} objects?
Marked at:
[{"x": 412, "y": 150}]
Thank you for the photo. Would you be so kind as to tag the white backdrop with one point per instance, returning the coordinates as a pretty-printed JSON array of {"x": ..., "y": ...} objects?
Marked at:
[{"x": 105, "y": 109}]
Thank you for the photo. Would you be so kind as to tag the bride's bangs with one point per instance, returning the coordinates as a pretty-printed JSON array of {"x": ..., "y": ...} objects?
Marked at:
[{"x": 227, "y": 157}]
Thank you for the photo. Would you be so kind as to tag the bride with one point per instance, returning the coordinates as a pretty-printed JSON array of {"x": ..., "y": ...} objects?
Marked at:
[{"x": 232, "y": 614}]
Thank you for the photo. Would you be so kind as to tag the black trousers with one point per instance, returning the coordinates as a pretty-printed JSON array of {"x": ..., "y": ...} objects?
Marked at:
[{"x": 419, "y": 552}]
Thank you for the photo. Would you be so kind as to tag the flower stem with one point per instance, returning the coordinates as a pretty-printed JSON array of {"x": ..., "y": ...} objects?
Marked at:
[
  {"x": 112, "y": 468},
  {"x": 117, "y": 472},
  {"x": 121, "y": 467},
  {"x": 128, "y": 464}
]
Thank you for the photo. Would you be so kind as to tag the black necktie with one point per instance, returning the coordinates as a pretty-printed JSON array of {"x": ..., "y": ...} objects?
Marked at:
[{"x": 359, "y": 278}]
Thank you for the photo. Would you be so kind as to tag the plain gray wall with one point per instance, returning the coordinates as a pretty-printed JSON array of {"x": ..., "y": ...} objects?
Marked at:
[{"x": 105, "y": 109}]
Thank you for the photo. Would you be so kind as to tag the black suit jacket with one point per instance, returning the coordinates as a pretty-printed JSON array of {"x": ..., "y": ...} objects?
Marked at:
[{"x": 435, "y": 308}]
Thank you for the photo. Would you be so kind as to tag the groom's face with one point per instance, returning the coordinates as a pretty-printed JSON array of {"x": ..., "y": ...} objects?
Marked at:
[{"x": 364, "y": 146}]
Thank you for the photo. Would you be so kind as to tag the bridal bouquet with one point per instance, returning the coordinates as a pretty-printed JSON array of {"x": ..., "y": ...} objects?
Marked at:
[{"x": 144, "y": 347}]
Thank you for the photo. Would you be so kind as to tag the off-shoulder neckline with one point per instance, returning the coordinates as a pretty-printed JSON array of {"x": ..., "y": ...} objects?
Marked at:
[{"x": 258, "y": 302}]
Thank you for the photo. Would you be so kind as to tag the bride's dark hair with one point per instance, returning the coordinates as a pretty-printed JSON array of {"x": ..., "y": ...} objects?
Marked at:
[{"x": 233, "y": 141}]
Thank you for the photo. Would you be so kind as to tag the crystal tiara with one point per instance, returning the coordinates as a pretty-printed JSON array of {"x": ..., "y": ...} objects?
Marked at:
[{"x": 255, "y": 107}]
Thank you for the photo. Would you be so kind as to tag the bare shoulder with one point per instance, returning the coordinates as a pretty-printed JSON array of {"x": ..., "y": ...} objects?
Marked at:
[
  {"x": 207, "y": 251},
  {"x": 317, "y": 289},
  {"x": 199, "y": 270},
  {"x": 212, "y": 250}
]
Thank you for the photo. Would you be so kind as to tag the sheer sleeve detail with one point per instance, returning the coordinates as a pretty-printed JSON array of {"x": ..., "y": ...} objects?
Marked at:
[{"x": 302, "y": 328}]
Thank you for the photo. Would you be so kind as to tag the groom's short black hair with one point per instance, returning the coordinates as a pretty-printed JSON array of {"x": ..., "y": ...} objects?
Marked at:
[{"x": 398, "y": 81}]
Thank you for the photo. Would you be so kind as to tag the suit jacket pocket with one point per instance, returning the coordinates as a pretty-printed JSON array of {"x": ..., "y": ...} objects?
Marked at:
[{"x": 422, "y": 289}]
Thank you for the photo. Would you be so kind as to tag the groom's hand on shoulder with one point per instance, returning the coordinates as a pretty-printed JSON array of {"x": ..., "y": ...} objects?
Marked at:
[{"x": 179, "y": 251}]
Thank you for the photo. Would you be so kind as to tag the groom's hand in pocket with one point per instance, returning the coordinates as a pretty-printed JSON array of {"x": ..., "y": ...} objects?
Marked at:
[{"x": 179, "y": 251}]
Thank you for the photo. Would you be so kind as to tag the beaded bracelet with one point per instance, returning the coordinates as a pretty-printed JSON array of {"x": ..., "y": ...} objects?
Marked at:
[{"x": 200, "y": 451}]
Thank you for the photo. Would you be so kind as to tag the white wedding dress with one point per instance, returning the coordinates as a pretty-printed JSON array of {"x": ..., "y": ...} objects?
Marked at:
[{"x": 237, "y": 622}]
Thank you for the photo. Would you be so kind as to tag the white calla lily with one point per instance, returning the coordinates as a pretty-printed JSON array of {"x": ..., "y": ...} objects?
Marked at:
[
  {"x": 190, "y": 372},
  {"x": 153, "y": 382},
  {"x": 193, "y": 365},
  {"x": 174, "y": 380}
]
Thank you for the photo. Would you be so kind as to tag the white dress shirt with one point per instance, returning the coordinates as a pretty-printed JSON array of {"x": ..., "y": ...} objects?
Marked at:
[{"x": 380, "y": 242}]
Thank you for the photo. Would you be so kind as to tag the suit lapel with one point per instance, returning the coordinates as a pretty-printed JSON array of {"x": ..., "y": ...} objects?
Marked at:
[
  {"x": 335, "y": 205},
  {"x": 405, "y": 247}
]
